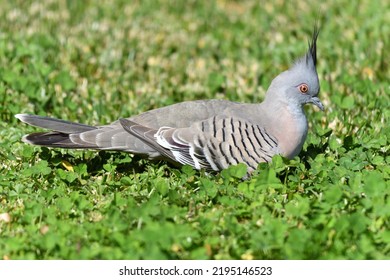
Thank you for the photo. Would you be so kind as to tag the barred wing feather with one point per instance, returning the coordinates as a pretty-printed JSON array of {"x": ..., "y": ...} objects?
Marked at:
[{"x": 212, "y": 144}]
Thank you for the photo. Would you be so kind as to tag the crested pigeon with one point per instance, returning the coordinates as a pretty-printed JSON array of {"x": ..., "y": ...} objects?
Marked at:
[{"x": 206, "y": 134}]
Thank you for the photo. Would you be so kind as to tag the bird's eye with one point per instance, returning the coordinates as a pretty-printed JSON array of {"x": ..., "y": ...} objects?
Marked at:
[{"x": 304, "y": 88}]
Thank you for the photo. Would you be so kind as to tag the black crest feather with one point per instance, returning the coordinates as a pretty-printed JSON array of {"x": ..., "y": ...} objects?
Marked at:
[{"x": 313, "y": 45}]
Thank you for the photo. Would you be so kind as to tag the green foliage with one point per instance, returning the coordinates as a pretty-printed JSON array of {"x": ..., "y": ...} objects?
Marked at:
[{"x": 94, "y": 62}]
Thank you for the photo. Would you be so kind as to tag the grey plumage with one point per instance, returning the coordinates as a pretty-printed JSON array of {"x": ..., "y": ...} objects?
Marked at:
[{"x": 209, "y": 134}]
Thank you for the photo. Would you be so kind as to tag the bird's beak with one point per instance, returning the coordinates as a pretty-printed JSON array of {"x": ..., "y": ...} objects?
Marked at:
[{"x": 316, "y": 101}]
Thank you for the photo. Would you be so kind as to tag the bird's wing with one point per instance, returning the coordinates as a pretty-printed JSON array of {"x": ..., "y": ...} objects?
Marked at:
[{"x": 212, "y": 144}]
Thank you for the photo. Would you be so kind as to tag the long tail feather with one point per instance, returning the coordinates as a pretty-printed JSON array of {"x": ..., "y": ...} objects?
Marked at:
[
  {"x": 54, "y": 139},
  {"x": 60, "y": 133},
  {"x": 54, "y": 124}
]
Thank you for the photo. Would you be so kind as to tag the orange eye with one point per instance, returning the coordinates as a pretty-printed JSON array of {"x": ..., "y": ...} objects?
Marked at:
[{"x": 304, "y": 88}]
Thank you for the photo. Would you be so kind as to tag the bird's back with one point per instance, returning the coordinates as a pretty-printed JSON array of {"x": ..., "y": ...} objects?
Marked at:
[{"x": 183, "y": 114}]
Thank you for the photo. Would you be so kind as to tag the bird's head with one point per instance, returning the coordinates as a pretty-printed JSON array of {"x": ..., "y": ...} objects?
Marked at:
[{"x": 299, "y": 84}]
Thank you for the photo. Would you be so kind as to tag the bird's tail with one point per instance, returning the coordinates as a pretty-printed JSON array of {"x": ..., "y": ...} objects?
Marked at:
[{"x": 60, "y": 133}]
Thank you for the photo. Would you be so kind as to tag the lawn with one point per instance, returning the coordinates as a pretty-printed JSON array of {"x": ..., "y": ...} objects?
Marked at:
[{"x": 97, "y": 61}]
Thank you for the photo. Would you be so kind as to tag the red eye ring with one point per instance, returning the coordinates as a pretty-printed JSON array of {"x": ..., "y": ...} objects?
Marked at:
[{"x": 304, "y": 88}]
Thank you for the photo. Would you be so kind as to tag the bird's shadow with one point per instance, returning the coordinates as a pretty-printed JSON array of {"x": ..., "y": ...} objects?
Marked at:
[
  {"x": 313, "y": 150},
  {"x": 123, "y": 162}
]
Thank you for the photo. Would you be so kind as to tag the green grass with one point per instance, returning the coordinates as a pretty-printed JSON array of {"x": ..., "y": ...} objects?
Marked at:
[{"x": 96, "y": 61}]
